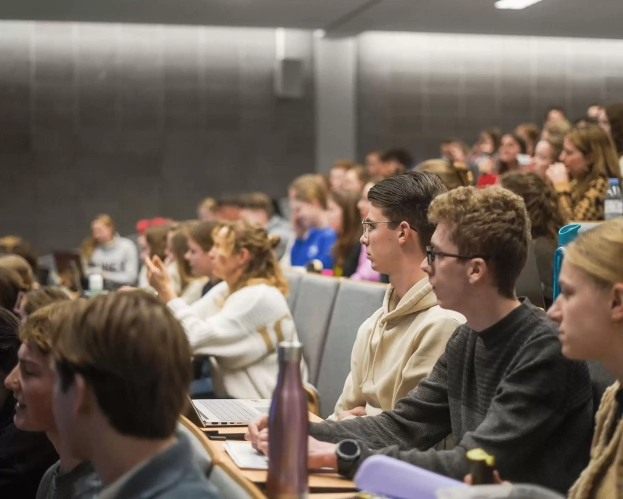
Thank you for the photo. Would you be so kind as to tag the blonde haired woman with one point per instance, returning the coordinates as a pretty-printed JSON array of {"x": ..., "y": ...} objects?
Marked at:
[
  {"x": 240, "y": 322},
  {"x": 589, "y": 160},
  {"x": 314, "y": 240},
  {"x": 590, "y": 313},
  {"x": 114, "y": 256}
]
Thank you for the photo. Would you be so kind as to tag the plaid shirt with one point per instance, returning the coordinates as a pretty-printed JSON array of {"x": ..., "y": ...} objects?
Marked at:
[{"x": 583, "y": 207}]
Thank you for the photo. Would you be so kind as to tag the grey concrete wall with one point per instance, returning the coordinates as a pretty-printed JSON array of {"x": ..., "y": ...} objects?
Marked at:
[
  {"x": 140, "y": 121},
  {"x": 417, "y": 89}
]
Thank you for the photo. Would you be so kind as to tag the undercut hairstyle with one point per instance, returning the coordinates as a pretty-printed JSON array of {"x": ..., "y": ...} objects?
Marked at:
[
  {"x": 406, "y": 198},
  {"x": 134, "y": 355},
  {"x": 492, "y": 222}
]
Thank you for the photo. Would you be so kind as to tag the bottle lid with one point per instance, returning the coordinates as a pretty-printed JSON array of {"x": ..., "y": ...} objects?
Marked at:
[
  {"x": 614, "y": 181},
  {"x": 290, "y": 351},
  {"x": 480, "y": 455}
]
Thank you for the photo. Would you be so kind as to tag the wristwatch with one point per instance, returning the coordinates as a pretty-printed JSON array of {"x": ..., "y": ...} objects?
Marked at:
[{"x": 348, "y": 451}]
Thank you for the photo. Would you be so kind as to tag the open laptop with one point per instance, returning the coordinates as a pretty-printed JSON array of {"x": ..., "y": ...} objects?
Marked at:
[{"x": 228, "y": 412}]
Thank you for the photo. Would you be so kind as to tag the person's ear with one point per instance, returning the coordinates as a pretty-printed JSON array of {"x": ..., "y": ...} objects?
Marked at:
[
  {"x": 616, "y": 304},
  {"x": 84, "y": 400},
  {"x": 476, "y": 270},
  {"x": 244, "y": 257},
  {"x": 404, "y": 234}
]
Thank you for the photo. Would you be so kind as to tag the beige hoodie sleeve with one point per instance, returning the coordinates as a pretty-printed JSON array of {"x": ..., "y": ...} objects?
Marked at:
[
  {"x": 351, "y": 394},
  {"x": 428, "y": 345}
]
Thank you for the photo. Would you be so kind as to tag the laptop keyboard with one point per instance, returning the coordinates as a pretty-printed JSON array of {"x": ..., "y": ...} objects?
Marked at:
[{"x": 229, "y": 410}]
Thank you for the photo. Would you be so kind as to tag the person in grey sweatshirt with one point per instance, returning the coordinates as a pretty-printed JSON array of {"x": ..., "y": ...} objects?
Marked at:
[
  {"x": 115, "y": 257},
  {"x": 502, "y": 384}
]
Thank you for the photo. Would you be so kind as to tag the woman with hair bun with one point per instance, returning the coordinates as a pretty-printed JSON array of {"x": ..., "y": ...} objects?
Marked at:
[{"x": 240, "y": 322}]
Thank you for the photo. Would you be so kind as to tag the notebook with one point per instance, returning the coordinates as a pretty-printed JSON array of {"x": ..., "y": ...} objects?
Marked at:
[{"x": 245, "y": 456}]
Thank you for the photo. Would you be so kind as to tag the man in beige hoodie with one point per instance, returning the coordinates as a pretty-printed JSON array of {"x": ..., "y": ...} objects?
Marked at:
[{"x": 399, "y": 344}]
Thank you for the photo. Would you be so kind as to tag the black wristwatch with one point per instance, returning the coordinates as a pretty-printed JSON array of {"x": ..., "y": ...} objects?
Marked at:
[{"x": 348, "y": 451}]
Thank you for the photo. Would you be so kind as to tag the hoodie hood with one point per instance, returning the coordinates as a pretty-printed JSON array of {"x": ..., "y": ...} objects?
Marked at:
[{"x": 420, "y": 297}]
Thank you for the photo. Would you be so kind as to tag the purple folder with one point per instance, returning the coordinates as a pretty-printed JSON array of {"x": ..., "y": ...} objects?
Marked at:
[{"x": 389, "y": 477}]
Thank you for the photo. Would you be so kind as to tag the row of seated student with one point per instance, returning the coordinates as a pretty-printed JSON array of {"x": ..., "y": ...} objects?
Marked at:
[
  {"x": 324, "y": 223},
  {"x": 498, "y": 382}
]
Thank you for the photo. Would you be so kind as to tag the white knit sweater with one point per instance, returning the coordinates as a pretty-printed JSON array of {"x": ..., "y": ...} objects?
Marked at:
[{"x": 240, "y": 331}]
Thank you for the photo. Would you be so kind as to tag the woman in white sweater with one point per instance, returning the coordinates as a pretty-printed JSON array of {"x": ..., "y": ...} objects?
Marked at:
[{"x": 240, "y": 322}]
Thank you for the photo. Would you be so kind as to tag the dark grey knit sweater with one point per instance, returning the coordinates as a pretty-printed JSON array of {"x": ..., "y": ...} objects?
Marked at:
[{"x": 507, "y": 390}]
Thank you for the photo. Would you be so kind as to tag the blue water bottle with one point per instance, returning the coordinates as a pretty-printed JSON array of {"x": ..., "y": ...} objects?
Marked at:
[{"x": 566, "y": 235}]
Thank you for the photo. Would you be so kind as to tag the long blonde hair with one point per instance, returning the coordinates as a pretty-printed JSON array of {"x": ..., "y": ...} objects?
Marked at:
[
  {"x": 90, "y": 245},
  {"x": 263, "y": 267},
  {"x": 594, "y": 142},
  {"x": 599, "y": 252}
]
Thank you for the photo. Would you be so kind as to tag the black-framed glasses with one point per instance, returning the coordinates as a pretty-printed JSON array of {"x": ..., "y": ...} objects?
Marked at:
[
  {"x": 431, "y": 254},
  {"x": 366, "y": 224}
]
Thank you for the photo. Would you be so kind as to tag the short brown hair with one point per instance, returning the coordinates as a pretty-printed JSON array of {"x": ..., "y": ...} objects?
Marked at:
[
  {"x": 406, "y": 198},
  {"x": 541, "y": 202},
  {"x": 258, "y": 201},
  {"x": 10, "y": 286},
  {"x": 491, "y": 222},
  {"x": 21, "y": 266},
  {"x": 135, "y": 356},
  {"x": 13, "y": 245},
  {"x": 41, "y": 327},
  {"x": 39, "y": 298}
]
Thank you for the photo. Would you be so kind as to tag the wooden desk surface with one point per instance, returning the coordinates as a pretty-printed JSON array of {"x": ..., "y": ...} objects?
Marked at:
[{"x": 317, "y": 481}]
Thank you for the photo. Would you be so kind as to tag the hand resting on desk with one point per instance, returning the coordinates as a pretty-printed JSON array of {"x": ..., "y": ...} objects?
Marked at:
[{"x": 320, "y": 454}]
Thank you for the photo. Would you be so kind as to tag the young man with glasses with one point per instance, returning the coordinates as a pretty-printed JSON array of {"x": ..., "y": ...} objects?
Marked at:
[
  {"x": 398, "y": 345},
  {"x": 502, "y": 384}
]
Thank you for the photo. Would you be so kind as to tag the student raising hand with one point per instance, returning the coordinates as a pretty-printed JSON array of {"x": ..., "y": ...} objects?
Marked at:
[{"x": 159, "y": 279}]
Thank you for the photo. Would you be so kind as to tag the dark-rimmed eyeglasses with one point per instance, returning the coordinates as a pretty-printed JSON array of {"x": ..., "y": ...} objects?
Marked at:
[
  {"x": 431, "y": 254},
  {"x": 367, "y": 224}
]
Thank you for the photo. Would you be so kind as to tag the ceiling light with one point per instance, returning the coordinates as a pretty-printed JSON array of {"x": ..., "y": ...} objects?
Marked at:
[
  {"x": 320, "y": 33},
  {"x": 514, "y": 4}
]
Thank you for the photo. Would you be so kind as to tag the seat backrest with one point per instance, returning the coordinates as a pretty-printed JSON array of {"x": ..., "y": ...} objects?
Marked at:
[
  {"x": 356, "y": 301},
  {"x": 231, "y": 484},
  {"x": 529, "y": 281},
  {"x": 199, "y": 443},
  {"x": 311, "y": 313},
  {"x": 294, "y": 283},
  {"x": 600, "y": 380}
]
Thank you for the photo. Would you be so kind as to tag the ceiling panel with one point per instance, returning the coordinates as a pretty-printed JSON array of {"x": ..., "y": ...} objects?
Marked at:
[
  {"x": 304, "y": 14},
  {"x": 559, "y": 18}
]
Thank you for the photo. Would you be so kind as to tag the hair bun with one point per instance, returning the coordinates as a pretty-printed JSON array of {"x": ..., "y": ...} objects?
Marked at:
[{"x": 274, "y": 241}]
